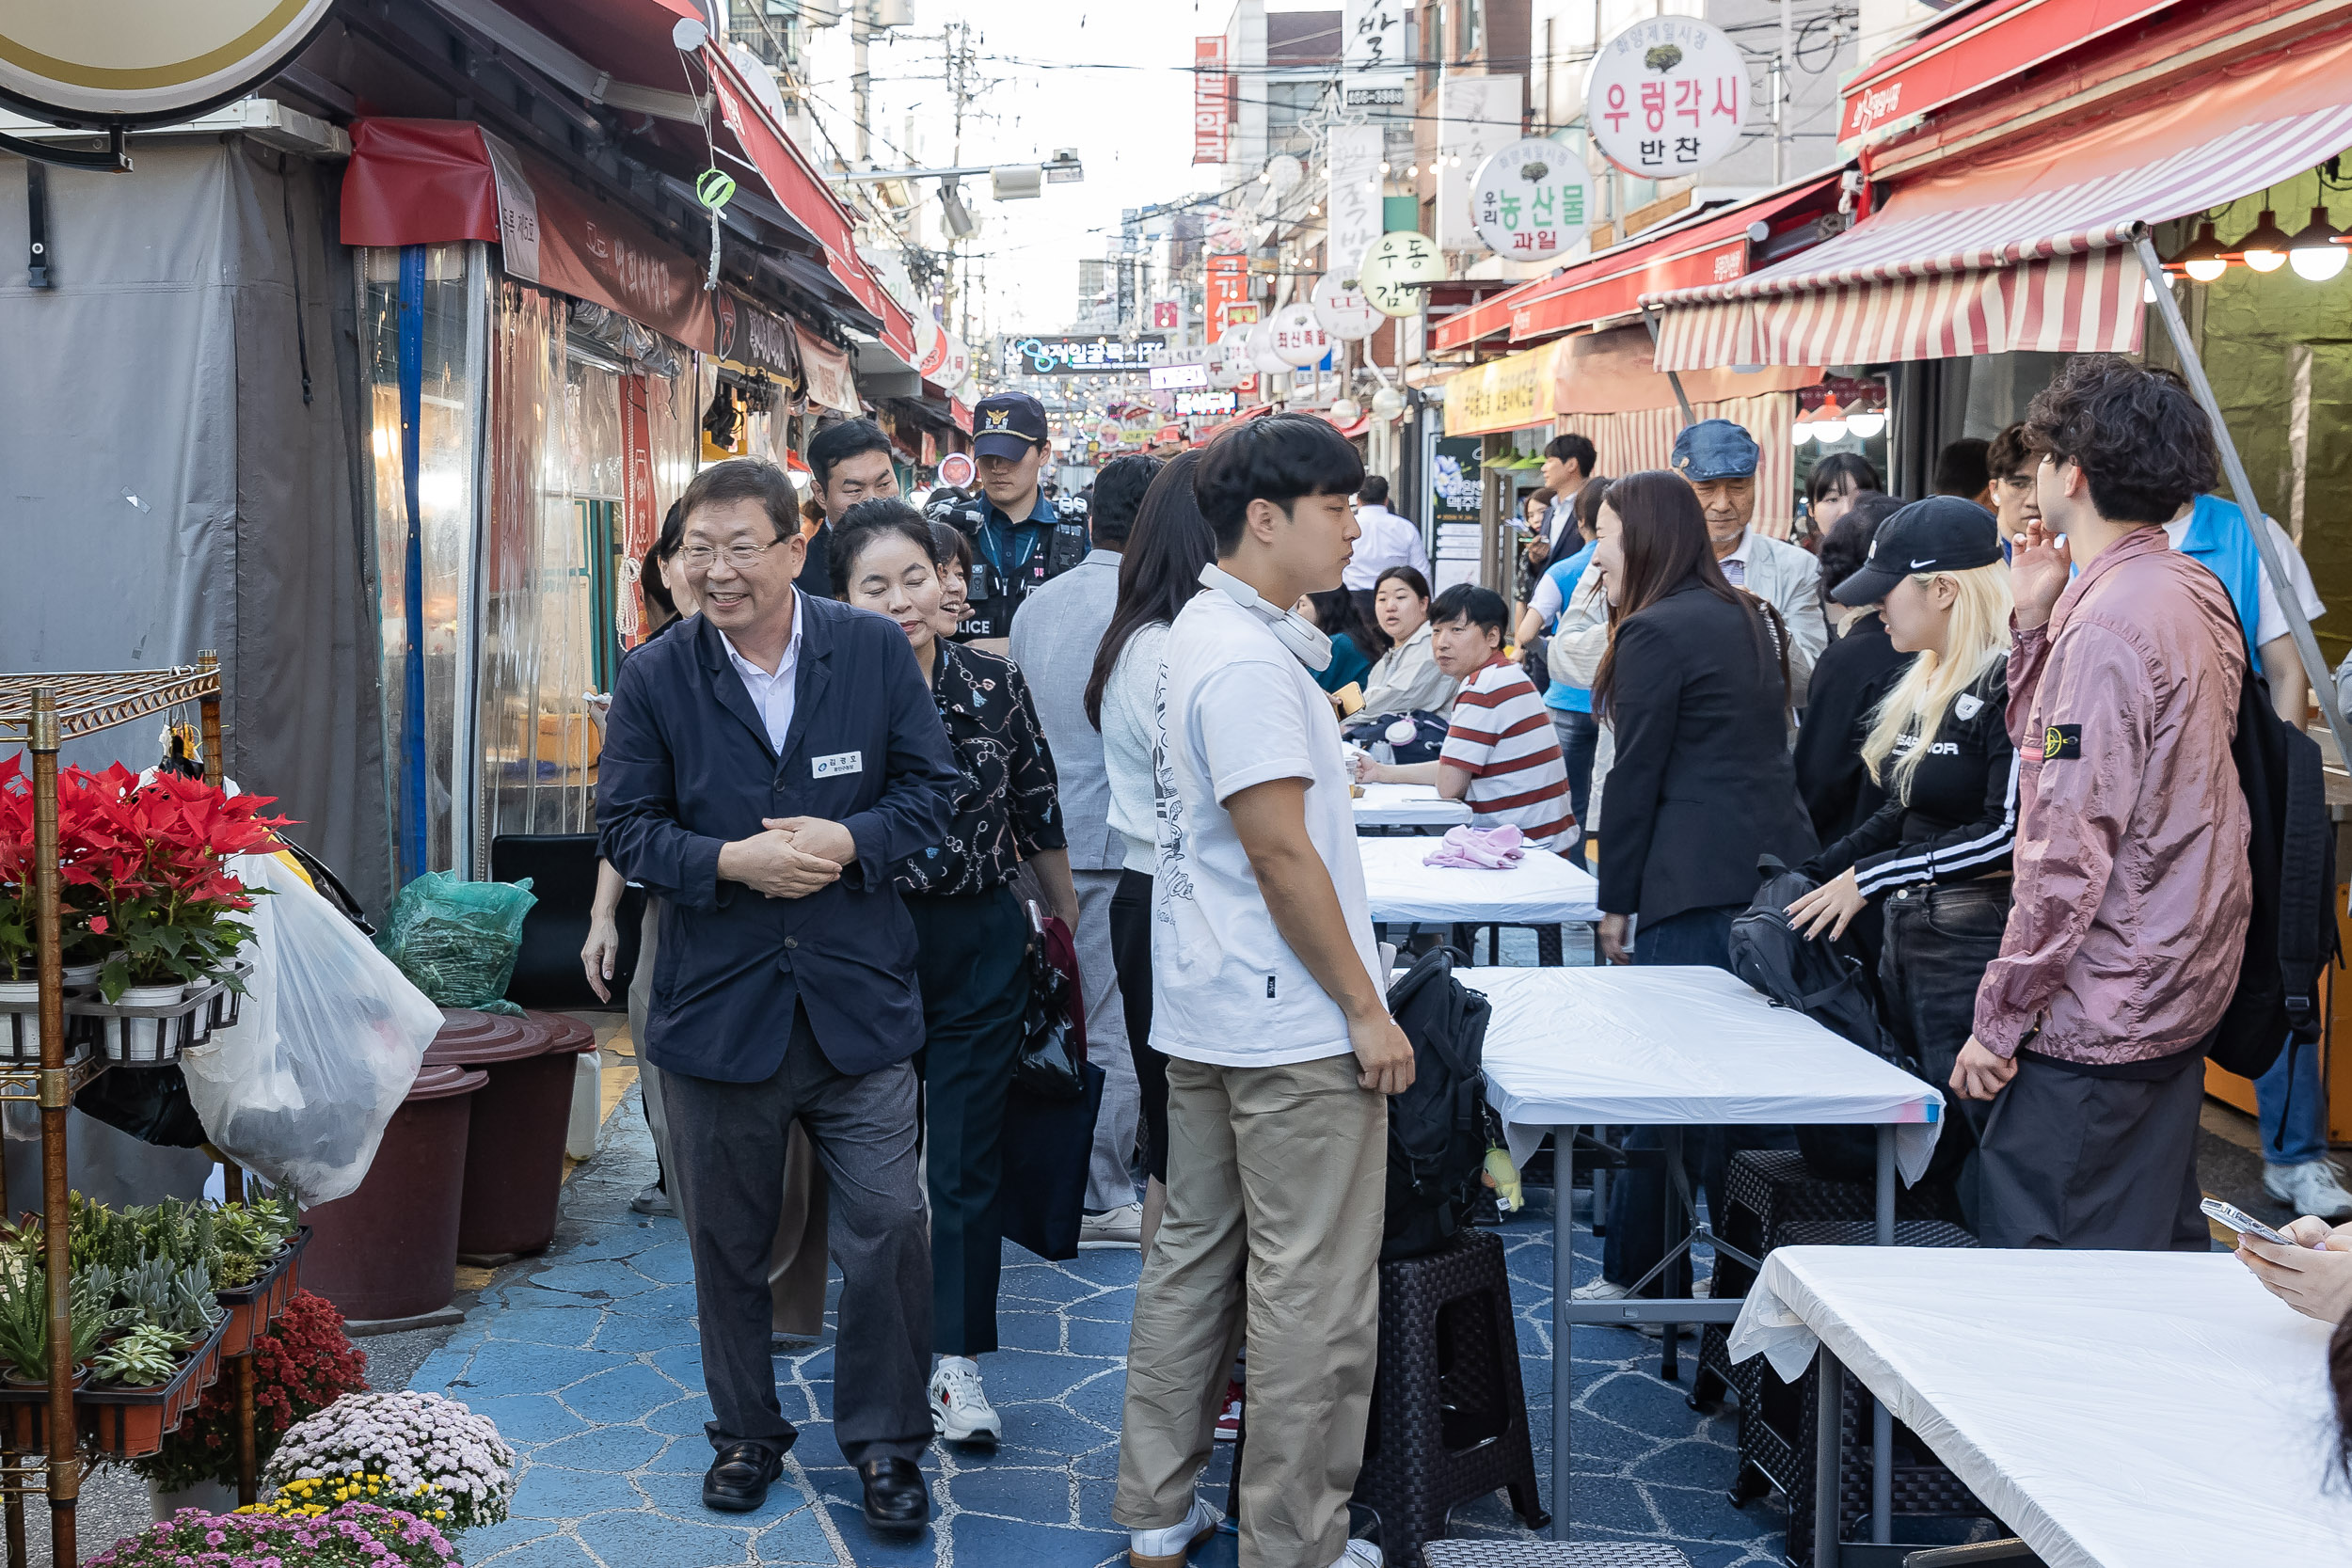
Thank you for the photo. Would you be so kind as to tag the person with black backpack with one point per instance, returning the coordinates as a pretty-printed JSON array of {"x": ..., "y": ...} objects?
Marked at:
[{"x": 2132, "y": 893}]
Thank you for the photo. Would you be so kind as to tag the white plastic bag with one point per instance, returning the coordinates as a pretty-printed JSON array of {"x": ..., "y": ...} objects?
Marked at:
[{"x": 327, "y": 1042}]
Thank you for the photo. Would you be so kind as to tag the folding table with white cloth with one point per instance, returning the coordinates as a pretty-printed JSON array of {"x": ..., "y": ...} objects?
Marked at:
[
  {"x": 1543, "y": 890},
  {"x": 2115, "y": 1409},
  {"x": 1671, "y": 1048},
  {"x": 1402, "y": 805}
]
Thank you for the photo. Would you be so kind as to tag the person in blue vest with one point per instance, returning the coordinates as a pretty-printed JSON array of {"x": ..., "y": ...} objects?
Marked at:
[
  {"x": 1022, "y": 539},
  {"x": 2290, "y": 1097}
]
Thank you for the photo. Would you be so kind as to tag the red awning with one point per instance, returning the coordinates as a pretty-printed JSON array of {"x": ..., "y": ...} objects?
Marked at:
[
  {"x": 1974, "y": 51},
  {"x": 2023, "y": 252},
  {"x": 1256, "y": 411},
  {"x": 794, "y": 182},
  {"x": 432, "y": 182},
  {"x": 1708, "y": 249}
]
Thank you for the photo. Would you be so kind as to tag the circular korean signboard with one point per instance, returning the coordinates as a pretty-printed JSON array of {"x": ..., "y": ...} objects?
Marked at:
[
  {"x": 957, "y": 471},
  {"x": 1299, "y": 339},
  {"x": 1529, "y": 201},
  {"x": 145, "y": 60},
  {"x": 931, "y": 345},
  {"x": 1261, "y": 350},
  {"x": 1667, "y": 97},
  {"x": 1395, "y": 262},
  {"x": 1344, "y": 312}
]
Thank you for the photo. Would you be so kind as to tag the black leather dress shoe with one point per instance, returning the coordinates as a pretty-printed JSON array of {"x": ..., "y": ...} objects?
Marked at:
[
  {"x": 736, "y": 1482},
  {"x": 895, "y": 1497}
]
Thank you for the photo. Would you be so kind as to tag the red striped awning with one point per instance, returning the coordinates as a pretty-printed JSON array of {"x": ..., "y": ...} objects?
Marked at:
[{"x": 2023, "y": 253}]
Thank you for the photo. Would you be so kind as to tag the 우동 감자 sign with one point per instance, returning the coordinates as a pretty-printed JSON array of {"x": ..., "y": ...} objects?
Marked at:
[
  {"x": 1529, "y": 201},
  {"x": 1396, "y": 264},
  {"x": 1667, "y": 97}
]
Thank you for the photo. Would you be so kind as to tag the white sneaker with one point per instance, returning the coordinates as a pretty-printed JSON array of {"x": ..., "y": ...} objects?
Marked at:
[
  {"x": 1600, "y": 1290},
  {"x": 2314, "y": 1187},
  {"x": 1166, "y": 1548},
  {"x": 1122, "y": 1227},
  {"x": 960, "y": 1409},
  {"x": 1359, "y": 1554}
]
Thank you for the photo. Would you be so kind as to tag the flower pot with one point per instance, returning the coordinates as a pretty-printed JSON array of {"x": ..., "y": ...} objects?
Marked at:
[
  {"x": 389, "y": 1249},
  {"x": 521, "y": 1122},
  {"x": 212, "y": 1497},
  {"x": 82, "y": 976},
  {"x": 20, "y": 1020},
  {"x": 151, "y": 1040}
]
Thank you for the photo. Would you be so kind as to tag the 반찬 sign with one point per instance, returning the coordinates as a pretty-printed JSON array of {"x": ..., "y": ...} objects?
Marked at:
[{"x": 1667, "y": 97}]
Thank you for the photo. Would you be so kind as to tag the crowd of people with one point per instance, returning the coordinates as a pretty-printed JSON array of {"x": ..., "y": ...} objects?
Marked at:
[{"x": 865, "y": 753}]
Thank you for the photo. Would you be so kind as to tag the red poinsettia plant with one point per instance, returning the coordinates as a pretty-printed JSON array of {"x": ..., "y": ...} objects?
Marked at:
[{"x": 144, "y": 868}]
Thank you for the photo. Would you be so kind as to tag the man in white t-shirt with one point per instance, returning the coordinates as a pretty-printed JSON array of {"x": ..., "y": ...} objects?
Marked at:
[{"x": 1268, "y": 1004}]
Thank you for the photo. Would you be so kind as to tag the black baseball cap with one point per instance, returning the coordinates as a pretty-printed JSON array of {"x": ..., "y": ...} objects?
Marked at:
[
  {"x": 1007, "y": 424},
  {"x": 1943, "y": 533}
]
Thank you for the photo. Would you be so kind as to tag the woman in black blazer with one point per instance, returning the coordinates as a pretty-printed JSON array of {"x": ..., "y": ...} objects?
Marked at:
[{"x": 1694, "y": 687}]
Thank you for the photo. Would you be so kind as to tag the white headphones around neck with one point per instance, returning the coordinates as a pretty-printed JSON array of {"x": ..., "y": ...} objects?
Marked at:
[{"x": 1293, "y": 630}]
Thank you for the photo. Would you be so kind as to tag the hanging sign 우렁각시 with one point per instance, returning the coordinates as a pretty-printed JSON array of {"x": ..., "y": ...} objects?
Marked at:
[{"x": 1667, "y": 97}]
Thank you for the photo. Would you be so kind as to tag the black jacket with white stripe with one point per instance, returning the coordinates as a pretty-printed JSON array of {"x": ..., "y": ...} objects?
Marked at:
[{"x": 1961, "y": 819}]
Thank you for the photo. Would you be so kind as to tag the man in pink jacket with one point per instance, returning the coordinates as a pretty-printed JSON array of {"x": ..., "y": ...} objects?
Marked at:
[{"x": 2129, "y": 913}]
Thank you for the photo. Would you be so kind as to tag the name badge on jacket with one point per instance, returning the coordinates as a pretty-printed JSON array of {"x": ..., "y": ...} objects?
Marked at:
[{"x": 840, "y": 762}]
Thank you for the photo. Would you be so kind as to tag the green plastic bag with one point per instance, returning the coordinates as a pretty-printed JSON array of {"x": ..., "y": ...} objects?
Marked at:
[{"x": 457, "y": 940}]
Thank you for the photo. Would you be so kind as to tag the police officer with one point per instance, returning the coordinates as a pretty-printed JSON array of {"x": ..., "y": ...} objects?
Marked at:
[{"x": 1020, "y": 539}]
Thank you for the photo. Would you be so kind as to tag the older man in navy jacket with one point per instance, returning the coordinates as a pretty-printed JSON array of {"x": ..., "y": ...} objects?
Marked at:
[{"x": 761, "y": 772}]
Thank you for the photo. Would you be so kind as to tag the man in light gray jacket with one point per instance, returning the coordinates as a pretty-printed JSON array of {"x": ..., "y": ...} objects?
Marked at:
[
  {"x": 1055, "y": 634},
  {"x": 1719, "y": 458}
]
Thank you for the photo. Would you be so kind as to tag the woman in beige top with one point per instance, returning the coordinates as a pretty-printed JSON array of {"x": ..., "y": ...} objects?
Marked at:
[{"x": 1406, "y": 679}]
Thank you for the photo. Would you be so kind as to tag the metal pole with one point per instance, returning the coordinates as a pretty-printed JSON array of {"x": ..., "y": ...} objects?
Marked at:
[
  {"x": 1780, "y": 97},
  {"x": 57, "y": 1258},
  {"x": 861, "y": 83},
  {"x": 1649, "y": 319},
  {"x": 1829, "y": 1395},
  {"x": 2242, "y": 489},
  {"x": 208, "y": 710},
  {"x": 248, "y": 1464},
  {"x": 1562, "y": 1278},
  {"x": 1881, "y": 1417}
]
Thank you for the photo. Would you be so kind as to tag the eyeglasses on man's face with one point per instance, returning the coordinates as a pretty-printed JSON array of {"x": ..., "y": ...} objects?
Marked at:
[{"x": 739, "y": 557}]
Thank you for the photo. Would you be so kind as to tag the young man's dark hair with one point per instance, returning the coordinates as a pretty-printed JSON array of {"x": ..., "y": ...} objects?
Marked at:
[
  {"x": 2009, "y": 451},
  {"x": 1961, "y": 470},
  {"x": 1573, "y": 448},
  {"x": 1373, "y": 491},
  {"x": 1118, "y": 491},
  {"x": 1279, "y": 458},
  {"x": 740, "y": 479},
  {"x": 2137, "y": 434},
  {"x": 1467, "y": 601},
  {"x": 836, "y": 443}
]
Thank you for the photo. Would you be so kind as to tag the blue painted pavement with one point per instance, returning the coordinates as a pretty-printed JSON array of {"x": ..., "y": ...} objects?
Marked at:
[{"x": 589, "y": 1363}]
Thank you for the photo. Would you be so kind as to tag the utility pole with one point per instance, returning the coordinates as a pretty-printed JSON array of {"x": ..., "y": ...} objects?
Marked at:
[
  {"x": 956, "y": 68},
  {"x": 862, "y": 80},
  {"x": 1780, "y": 96}
]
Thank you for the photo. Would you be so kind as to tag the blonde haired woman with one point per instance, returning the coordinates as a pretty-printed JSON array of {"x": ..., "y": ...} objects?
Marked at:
[{"x": 1936, "y": 855}]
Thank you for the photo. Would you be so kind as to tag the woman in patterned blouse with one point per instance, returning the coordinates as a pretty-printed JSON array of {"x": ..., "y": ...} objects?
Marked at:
[{"x": 973, "y": 934}]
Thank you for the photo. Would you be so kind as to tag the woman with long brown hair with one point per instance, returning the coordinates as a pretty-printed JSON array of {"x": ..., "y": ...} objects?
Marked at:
[{"x": 1696, "y": 688}]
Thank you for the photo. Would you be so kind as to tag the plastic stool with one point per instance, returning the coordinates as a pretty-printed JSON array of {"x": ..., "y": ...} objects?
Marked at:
[
  {"x": 1449, "y": 1413},
  {"x": 1552, "y": 1554}
]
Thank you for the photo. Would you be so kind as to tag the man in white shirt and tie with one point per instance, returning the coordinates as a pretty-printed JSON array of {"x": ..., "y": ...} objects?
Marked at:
[{"x": 1387, "y": 540}]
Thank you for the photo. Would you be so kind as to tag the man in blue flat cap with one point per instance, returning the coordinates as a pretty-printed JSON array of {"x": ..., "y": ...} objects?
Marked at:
[{"x": 1719, "y": 459}]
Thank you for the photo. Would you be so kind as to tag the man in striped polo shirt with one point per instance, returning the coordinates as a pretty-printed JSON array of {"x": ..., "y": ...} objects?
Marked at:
[{"x": 1500, "y": 754}]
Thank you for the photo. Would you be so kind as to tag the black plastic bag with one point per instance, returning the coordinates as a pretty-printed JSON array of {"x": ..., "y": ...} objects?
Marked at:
[
  {"x": 1052, "y": 1060},
  {"x": 151, "y": 1104}
]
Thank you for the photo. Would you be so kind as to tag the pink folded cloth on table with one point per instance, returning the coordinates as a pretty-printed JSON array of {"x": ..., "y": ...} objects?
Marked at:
[{"x": 1479, "y": 849}]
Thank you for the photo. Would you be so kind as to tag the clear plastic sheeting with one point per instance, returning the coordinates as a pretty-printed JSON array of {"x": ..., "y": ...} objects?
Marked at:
[
  {"x": 1395, "y": 806},
  {"x": 1542, "y": 890},
  {"x": 1670, "y": 1047},
  {"x": 327, "y": 1043},
  {"x": 2114, "y": 1409}
]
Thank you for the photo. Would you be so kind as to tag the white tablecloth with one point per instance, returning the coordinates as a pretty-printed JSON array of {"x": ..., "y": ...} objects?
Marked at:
[
  {"x": 1395, "y": 806},
  {"x": 2116, "y": 1409},
  {"x": 1657, "y": 1046},
  {"x": 1542, "y": 890}
]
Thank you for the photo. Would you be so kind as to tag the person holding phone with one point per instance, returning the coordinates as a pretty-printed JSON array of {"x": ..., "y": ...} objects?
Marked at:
[{"x": 2311, "y": 1270}]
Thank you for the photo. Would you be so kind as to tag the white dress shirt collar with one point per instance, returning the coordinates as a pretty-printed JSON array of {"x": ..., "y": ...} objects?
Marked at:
[{"x": 774, "y": 695}]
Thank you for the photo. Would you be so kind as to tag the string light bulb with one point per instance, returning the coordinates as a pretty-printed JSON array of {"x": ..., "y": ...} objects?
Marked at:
[
  {"x": 2202, "y": 258},
  {"x": 2266, "y": 245},
  {"x": 2316, "y": 253}
]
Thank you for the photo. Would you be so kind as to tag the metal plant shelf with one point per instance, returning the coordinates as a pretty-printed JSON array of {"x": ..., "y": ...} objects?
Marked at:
[
  {"x": 91, "y": 701},
  {"x": 21, "y": 1083}
]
